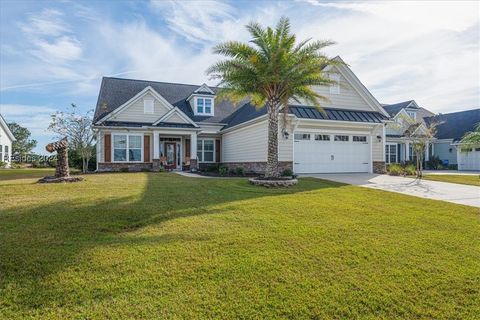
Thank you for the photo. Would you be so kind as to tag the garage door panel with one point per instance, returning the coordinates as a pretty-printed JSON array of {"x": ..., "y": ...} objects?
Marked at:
[{"x": 311, "y": 156}]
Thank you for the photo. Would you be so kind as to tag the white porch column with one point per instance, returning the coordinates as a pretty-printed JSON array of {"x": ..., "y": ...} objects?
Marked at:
[
  {"x": 407, "y": 151},
  {"x": 427, "y": 153},
  {"x": 156, "y": 145},
  {"x": 193, "y": 145}
]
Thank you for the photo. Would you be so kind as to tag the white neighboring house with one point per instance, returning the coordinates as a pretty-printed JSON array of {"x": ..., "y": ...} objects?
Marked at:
[
  {"x": 6, "y": 139},
  {"x": 147, "y": 124}
]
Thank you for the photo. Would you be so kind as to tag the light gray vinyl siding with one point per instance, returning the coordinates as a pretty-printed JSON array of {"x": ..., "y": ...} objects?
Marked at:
[
  {"x": 348, "y": 98},
  {"x": 378, "y": 152},
  {"x": 249, "y": 144},
  {"x": 175, "y": 118},
  {"x": 445, "y": 151},
  {"x": 134, "y": 112}
]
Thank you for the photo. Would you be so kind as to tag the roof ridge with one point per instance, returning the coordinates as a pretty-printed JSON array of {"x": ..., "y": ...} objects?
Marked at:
[{"x": 163, "y": 82}]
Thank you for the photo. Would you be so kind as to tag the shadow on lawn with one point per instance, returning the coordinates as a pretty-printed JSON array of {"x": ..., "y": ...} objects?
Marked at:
[{"x": 42, "y": 240}]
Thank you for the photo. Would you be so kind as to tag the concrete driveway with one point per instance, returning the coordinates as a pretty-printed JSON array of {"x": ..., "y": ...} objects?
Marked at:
[{"x": 451, "y": 192}]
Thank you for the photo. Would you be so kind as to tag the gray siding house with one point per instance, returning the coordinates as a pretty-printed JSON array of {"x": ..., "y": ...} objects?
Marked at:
[{"x": 147, "y": 125}]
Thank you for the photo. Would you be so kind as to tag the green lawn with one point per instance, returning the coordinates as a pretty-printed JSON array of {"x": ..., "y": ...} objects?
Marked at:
[
  {"x": 157, "y": 245},
  {"x": 473, "y": 180},
  {"x": 12, "y": 174}
]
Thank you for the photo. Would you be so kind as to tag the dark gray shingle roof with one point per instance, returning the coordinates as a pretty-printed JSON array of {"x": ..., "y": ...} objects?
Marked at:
[
  {"x": 393, "y": 109},
  {"x": 454, "y": 125},
  {"x": 116, "y": 91}
]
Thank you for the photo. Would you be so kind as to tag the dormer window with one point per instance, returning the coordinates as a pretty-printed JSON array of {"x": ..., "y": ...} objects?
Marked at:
[{"x": 203, "y": 106}]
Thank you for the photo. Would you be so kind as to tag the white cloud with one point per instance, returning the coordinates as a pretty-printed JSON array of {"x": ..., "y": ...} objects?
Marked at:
[
  {"x": 35, "y": 118},
  {"x": 197, "y": 21}
]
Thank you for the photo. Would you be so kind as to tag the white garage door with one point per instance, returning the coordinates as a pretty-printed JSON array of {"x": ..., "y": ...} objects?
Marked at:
[
  {"x": 469, "y": 160},
  {"x": 328, "y": 152}
]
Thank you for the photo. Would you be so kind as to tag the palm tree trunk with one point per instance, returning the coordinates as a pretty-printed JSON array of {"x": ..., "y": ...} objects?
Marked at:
[{"x": 271, "y": 170}]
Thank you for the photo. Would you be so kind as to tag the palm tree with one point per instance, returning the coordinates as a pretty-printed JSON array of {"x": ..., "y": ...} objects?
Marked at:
[
  {"x": 270, "y": 70},
  {"x": 472, "y": 139}
]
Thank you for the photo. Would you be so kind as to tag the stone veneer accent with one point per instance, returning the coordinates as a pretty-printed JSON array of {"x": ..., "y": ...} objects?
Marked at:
[
  {"x": 379, "y": 167},
  {"x": 193, "y": 165},
  {"x": 258, "y": 167},
  {"x": 131, "y": 166}
]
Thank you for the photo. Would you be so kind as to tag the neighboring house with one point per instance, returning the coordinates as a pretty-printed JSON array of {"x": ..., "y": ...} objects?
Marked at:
[
  {"x": 146, "y": 124},
  {"x": 398, "y": 149},
  {"x": 6, "y": 139},
  {"x": 452, "y": 127}
]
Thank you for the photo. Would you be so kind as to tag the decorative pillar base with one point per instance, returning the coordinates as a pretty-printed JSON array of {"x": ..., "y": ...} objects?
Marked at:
[
  {"x": 156, "y": 165},
  {"x": 379, "y": 167},
  {"x": 193, "y": 165}
]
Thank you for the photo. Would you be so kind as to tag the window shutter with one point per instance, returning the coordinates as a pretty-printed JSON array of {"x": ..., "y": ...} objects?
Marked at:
[
  {"x": 107, "y": 148},
  {"x": 146, "y": 148},
  {"x": 187, "y": 148},
  {"x": 217, "y": 150}
]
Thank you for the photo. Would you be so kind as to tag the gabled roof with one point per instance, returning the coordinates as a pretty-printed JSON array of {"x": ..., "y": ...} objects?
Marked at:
[
  {"x": 115, "y": 92},
  {"x": 456, "y": 124},
  {"x": 5, "y": 127},
  {"x": 395, "y": 108}
]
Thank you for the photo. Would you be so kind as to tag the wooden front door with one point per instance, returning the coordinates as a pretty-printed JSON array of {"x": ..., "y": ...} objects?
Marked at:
[{"x": 171, "y": 154}]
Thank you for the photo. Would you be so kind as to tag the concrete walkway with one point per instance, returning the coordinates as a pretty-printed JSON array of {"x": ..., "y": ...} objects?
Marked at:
[
  {"x": 451, "y": 192},
  {"x": 454, "y": 172}
]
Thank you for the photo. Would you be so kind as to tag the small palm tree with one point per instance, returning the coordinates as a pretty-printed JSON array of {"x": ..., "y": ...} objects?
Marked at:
[
  {"x": 472, "y": 139},
  {"x": 271, "y": 70}
]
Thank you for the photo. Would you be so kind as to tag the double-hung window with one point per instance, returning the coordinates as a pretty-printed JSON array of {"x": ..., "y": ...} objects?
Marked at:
[
  {"x": 204, "y": 106},
  {"x": 127, "y": 148},
  {"x": 6, "y": 154},
  {"x": 206, "y": 150},
  {"x": 1, "y": 153},
  {"x": 391, "y": 153}
]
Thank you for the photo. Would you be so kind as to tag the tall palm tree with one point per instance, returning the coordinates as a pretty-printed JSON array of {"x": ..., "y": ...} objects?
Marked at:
[{"x": 270, "y": 70}]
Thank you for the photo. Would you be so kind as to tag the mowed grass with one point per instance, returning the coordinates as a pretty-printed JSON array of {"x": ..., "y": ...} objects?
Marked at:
[
  {"x": 158, "y": 245},
  {"x": 473, "y": 180},
  {"x": 13, "y": 174}
]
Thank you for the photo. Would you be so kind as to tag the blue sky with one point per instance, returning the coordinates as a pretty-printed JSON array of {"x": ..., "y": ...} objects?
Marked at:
[{"x": 54, "y": 53}]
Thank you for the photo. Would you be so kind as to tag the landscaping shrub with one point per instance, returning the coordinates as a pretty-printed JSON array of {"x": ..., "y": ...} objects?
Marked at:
[
  {"x": 287, "y": 173},
  {"x": 434, "y": 163},
  {"x": 3, "y": 164},
  {"x": 410, "y": 170},
  {"x": 452, "y": 167},
  {"x": 240, "y": 171},
  {"x": 123, "y": 169},
  {"x": 222, "y": 171},
  {"x": 212, "y": 167},
  {"x": 146, "y": 170},
  {"x": 394, "y": 169}
]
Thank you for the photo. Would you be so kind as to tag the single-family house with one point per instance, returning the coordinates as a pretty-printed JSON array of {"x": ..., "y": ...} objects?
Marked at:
[
  {"x": 450, "y": 130},
  {"x": 148, "y": 124},
  {"x": 6, "y": 139},
  {"x": 398, "y": 148}
]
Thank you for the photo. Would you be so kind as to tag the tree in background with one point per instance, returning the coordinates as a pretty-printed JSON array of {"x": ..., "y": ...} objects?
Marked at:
[
  {"x": 78, "y": 129},
  {"x": 471, "y": 139},
  {"x": 23, "y": 145},
  {"x": 272, "y": 69}
]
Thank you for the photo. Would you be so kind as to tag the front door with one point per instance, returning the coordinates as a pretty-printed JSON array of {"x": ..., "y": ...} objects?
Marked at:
[{"x": 171, "y": 154}]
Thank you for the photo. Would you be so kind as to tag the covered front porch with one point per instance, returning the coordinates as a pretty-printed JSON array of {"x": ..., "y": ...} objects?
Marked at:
[
  {"x": 401, "y": 151},
  {"x": 174, "y": 150}
]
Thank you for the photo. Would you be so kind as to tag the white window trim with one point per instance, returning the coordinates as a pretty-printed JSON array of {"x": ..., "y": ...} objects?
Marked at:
[
  {"x": 152, "y": 101},
  {"x": 388, "y": 154},
  {"x": 203, "y": 113},
  {"x": 341, "y": 135},
  {"x": 361, "y": 136},
  {"x": 128, "y": 155},
  {"x": 203, "y": 150},
  {"x": 322, "y": 134},
  {"x": 335, "y": 88}
]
